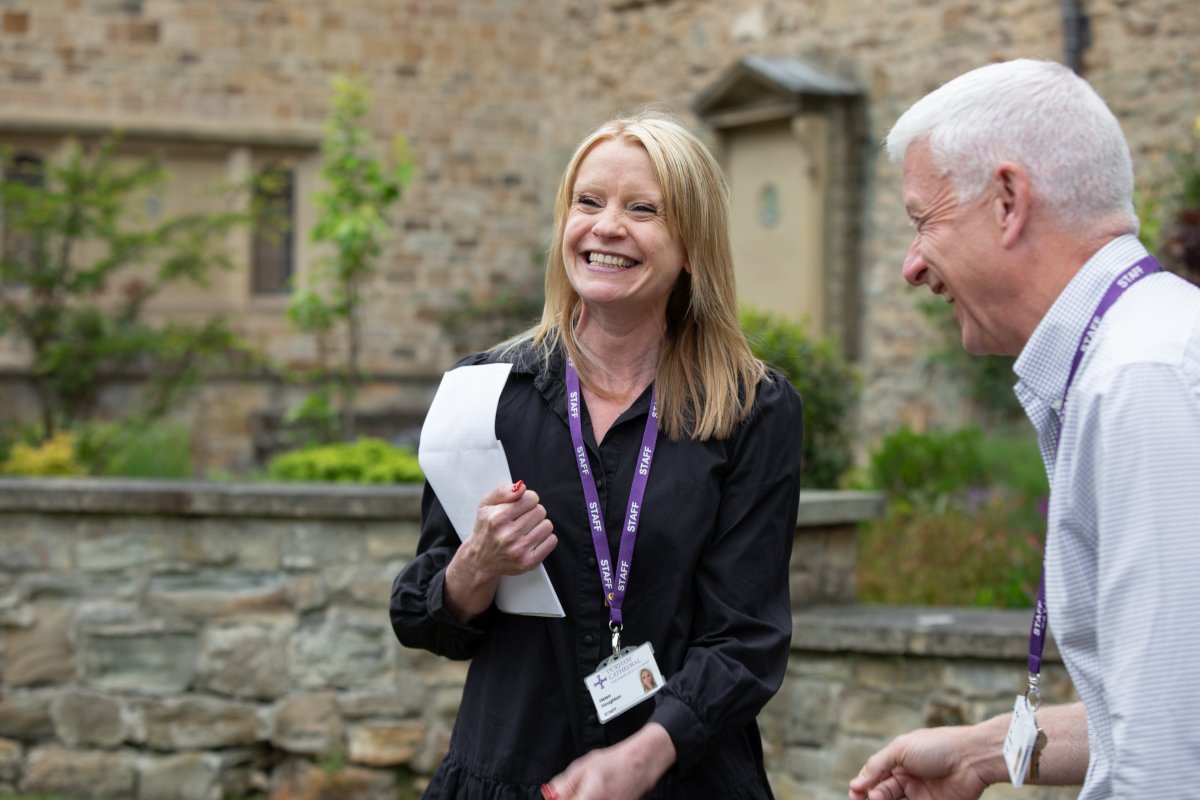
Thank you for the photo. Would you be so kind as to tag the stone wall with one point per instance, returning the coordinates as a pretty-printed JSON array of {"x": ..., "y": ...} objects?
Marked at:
[{"x": 171, "y": 641}]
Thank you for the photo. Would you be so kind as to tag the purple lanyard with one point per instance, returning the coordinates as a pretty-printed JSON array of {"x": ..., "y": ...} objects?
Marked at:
[
  {"x": 1147, "y": 266},
  {"x": 614, "y": 594}
]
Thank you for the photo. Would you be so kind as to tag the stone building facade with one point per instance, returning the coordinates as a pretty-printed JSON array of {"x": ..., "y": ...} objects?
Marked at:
[{"x": 492, "y": 95}]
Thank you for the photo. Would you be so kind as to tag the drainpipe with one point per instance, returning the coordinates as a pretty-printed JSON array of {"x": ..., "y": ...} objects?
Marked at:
[{"x": 1077, "y": 34}]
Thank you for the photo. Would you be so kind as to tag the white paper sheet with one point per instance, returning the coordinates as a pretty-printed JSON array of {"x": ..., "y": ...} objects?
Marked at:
[{"x": 463, "y": 460}]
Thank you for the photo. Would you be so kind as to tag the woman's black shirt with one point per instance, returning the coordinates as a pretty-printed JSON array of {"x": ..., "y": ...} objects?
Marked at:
[{"x": 708, "y": 589}]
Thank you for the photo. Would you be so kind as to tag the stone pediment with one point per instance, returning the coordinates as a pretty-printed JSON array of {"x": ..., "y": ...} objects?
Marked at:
[{"x": 758, "y": 88}]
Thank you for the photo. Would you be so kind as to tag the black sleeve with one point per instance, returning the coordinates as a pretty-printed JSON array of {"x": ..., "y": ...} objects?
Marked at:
[
  {"x": 419, "y": 616},
  {"x": 742, "y": 628}
]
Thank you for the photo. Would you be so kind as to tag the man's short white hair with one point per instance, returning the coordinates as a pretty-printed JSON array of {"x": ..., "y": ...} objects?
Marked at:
[{"x": 1038, "y": 114}]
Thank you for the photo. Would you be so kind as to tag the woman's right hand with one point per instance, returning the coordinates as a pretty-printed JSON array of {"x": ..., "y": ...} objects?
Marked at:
[{"x": 512, "y": 535}]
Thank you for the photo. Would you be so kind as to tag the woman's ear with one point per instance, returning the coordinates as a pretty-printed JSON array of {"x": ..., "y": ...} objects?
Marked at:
[{"x": 1013, "y": 200}]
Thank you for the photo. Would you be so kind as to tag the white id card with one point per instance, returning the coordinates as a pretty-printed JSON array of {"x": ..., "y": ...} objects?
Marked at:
[
  {"x": 1018, "y": 744},
  {"x": 623, "y": 681}
]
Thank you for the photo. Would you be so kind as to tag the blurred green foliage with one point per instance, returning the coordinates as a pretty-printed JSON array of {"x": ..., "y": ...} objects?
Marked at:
[
  {"x": 827, "y": 384},
  {"x": 359, "y": 189},
  {"x": 51, "y": 458},
  {"x": 130, "y": 448},
  {"x": 365, "y": 460},
  {"x": 78, "y": 266},
  {"x": 1170, "y": 211},
  {"x": 964, "y": 523}
]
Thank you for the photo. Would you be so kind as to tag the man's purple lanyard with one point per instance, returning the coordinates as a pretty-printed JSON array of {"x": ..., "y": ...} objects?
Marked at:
[
  {"x": 1037, "y": 632},
  {"x": 614, "y": 591}
]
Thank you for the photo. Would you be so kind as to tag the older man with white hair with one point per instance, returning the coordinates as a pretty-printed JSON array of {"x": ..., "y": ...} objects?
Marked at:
[{"x": 1019, "y": 183}]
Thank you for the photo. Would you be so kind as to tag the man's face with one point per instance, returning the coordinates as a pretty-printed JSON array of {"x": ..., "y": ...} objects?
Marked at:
[{"x": 956, "y": 252}]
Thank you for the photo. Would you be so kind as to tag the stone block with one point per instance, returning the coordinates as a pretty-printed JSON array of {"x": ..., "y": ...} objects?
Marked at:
[
  {"x": 811, "y": 712},
  {"x": 76, "y": 586},
  {"x": 984, "y": 680},
  {"x": 141, "y": 659},
  {"x": 30, "y": 544},
  {"x": 11, "y": 757},
  {"x": 319, "y": 544},
  {"x": 246, "y": 660},
  {"x": 244, "y": 772},
  {"x": 878, "y": 714},
  {"x": 79, "y": 773},
  {"x": 385, "y": 745},
  {"x": 25, "y": 716},
  {"x": 199, "y": 723},
  {"x": 185, "y": 776},
  {"x": 139, "y": 543},
  {"x": 212, "y": 593},
  {"x": 14, "y": 612},
  {"x": 307, "y": 592},
  {"x": 235, "y": 543},
  {"x": 399, "y": 542},
  {"x": 367, "y": 585},
  {"x": 16, "y": 22},
  {"x": 87, "y": 719},
  {"x": 308, "y": 724},
  {"x": 41, "y": 654},
  {"x": 344, "y": 649},
  {"x": 407, "y": 698},
  {"x": 898, "y": 674},
  {"x": 300, "y": 780}
]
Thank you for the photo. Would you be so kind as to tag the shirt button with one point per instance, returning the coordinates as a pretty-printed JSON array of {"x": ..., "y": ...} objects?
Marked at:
[
  {"x": 591, "y": 719},
  {"x": 591, "y": 562},
  {"x": 588, "y": 638}
]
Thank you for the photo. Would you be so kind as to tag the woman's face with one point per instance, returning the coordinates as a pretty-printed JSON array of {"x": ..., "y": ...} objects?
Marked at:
[
  {"x": 617, "y": 247},
  {"x": 647, "y": 680}
]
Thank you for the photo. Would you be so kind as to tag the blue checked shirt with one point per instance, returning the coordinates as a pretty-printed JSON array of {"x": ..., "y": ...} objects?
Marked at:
[{"x": 1123, "y": 547}]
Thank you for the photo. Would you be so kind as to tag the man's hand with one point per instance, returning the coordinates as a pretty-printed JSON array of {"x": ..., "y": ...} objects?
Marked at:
[{"x": 929, "y": 764}]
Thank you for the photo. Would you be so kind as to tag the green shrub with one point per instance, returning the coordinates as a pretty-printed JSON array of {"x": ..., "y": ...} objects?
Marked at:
[
  {"x": 964, "y": 524},
  {"x": 366, "y": 460},
  {"x": 983, "y": 556},
  {"x": 925, "y": 468},
  {"x": 135, "y": 448},
  {"x": 825, "y": 381},
  {"x": 986, "y": 380},
  {"x": 53, "y": 458}
]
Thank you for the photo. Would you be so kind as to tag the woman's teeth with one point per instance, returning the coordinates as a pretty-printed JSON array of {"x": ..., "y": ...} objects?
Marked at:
[{"x": 610, "y": 261}]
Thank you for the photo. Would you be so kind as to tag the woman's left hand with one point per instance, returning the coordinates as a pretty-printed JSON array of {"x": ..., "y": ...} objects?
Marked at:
[{"x": 625, "y": 771}]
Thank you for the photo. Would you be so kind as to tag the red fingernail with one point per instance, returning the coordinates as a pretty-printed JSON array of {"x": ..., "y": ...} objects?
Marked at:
[
  {"x": 548, "y": 792},
  {"x": 517, "y": 486}
]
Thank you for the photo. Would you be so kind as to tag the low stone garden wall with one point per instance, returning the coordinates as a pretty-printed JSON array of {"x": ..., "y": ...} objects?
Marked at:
[{"x": 196, "y": 641}]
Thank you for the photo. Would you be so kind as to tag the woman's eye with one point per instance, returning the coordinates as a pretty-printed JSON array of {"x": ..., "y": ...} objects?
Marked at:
[
  {"x": 644, "y": 208},
  {"x": 588, "y": 201}
]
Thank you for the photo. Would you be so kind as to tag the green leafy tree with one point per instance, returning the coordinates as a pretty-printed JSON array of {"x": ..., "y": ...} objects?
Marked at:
[
  {"x": 78, "y": 268},
  {"x": 359, "y": 189}
]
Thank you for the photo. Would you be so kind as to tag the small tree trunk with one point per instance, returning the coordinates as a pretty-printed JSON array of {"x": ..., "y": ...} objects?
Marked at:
[{"x": 350, "y": 388}]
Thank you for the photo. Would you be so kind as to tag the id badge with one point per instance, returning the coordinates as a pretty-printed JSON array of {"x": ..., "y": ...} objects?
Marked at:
[
  {"x": 622, "y": 681},
  {"x": 1018, "y": 744}
]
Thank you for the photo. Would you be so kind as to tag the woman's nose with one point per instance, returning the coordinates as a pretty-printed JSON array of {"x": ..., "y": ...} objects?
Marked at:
[{"x": 609, "y": 224}]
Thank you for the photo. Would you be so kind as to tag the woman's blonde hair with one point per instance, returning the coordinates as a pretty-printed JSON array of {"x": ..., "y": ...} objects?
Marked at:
[{"x": 706, "y": 375}]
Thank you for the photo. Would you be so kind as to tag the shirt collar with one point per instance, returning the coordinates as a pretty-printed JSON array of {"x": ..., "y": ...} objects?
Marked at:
[{"x": 1045, "y": 360}]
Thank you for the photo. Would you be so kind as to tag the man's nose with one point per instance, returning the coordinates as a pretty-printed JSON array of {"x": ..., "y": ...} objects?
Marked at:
[{"x": 914, "y": 265}]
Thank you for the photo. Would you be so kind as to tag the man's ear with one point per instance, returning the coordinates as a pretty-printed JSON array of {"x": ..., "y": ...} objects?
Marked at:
[{"x": 1013, "y": 200}]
